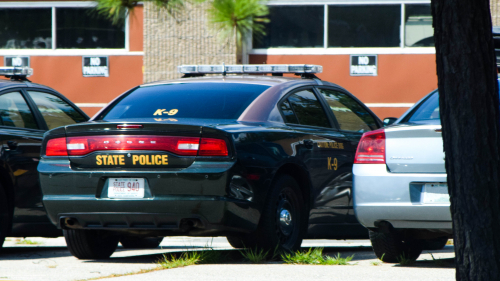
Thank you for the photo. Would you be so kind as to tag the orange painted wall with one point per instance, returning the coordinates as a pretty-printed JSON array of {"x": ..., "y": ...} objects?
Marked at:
[
  {"x": 136, "y": 20},
  {"x": 64, "y": 73},
  {"x": 401, "y": 78}
]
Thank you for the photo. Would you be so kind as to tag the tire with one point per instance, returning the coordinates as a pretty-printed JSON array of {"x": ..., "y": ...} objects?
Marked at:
[
  {"x": 140, "y": 242},
  {"x": 90, "y": 244},
  {"x": 240, "y": 242},
  {"x": 282, "y": 224},
  {"x": 434, "y": 244},
  {"x": 5, "y": 217},
  {"x": 390, "y": 247}
]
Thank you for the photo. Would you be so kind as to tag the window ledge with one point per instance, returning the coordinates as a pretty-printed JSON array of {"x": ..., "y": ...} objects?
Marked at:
[
  {"x": 68, "y": 52},
  {"x": 342, "y": 51}
]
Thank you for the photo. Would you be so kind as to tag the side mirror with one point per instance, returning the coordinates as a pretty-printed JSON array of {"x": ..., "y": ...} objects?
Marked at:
[{"x": 389, "y": 121}]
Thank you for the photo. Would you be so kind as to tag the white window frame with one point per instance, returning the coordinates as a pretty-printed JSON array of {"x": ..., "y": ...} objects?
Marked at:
[
  {"x": 66, "y": 52},
  {"x": 402, "y": 49}
]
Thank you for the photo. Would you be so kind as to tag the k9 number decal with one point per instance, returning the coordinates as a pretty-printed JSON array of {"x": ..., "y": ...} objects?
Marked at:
[{"x": 333, "y": 164}]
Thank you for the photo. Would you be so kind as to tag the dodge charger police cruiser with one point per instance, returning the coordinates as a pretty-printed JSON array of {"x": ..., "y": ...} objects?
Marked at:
[{"x": 263, "y": 160}]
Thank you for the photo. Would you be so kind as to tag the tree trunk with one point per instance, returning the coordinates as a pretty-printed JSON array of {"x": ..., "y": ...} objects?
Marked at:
[{"x": 469, "y": 105}]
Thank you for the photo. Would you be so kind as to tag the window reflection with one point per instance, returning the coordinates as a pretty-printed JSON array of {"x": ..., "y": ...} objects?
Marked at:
[
  {"x": 350, "y": 115},
  {"x": 25, "y": 28},
  {"x": 308, "y": 109},
  {"x": 14, "y": 112},
  {"x": 418, "y": 26}
]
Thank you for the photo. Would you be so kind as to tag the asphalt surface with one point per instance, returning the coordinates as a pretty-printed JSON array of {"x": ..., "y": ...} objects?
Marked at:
[{"x": 50, "y": 260}]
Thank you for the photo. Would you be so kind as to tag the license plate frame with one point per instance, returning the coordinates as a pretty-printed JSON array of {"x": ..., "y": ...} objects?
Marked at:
[
  {"x": 126, "y": 188},
  {"x": 435, "y": 193}
]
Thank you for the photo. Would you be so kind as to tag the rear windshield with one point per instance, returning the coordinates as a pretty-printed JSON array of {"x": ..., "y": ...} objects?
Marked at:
[
  {"x": 427, "y": 112},
  {"x": 190, "y": 100}
]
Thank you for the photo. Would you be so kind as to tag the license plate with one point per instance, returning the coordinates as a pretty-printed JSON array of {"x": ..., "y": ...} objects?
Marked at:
[
  {"x": 125, "y": 188},
  {"x": 435, "y": 193}
]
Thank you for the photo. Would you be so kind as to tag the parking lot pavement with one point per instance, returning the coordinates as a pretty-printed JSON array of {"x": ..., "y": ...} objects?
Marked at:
[{"x": 50, "y": 260}]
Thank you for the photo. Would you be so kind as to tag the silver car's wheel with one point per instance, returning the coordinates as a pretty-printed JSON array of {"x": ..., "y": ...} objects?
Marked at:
[{"x": 392, "y": 248}]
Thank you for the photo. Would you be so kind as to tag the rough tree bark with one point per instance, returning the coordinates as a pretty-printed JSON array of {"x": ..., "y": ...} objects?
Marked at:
[{"x": 469, "y": 104}]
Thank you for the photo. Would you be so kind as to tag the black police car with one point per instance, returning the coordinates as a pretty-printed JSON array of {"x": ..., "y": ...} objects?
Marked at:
[
  {"x": 263, "y": 160},
  {"x": 27, "y": 111}
]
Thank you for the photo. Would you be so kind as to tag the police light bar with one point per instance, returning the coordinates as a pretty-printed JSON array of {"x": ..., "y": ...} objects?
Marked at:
[
  {"x": 15, "y": 71},
  {"x": 249, "y": 68}
]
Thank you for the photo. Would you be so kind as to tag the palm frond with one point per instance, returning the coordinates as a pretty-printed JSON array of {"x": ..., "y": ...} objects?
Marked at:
[
  {"x": 115, "y": 10},
  {"x": 238, "y": 18}
]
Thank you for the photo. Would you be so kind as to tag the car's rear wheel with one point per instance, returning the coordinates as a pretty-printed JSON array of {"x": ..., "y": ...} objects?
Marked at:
[
  {"x": 282, "y": 223},
  {"x": 434, "y": 244},
  {"x": 131, "y": 242},
  {"x": 90, "y": 244},
  {"x": 392, "y": 248}
]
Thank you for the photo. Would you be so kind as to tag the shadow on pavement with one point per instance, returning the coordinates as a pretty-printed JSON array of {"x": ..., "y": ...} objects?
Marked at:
[{"x": 26, "y": 253}]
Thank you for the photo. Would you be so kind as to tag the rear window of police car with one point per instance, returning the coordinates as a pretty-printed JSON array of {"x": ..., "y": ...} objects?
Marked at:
[{"x": 187, "y": 100}]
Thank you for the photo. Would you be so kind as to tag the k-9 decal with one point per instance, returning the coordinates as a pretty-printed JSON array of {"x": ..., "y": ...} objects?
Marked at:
[{"x": 333, "y": 164}]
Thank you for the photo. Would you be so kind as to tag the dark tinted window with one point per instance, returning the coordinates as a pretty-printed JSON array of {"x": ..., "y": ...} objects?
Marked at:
[
  {"x": 25, "y": 28},
  {"x": 364, "y": 25},
  {"x": 418, "y": 26},
  {"x": 293, "y": 26},
  {"x": 14, "y": 111},
  {"x": 288, "y": 113},
  {"x": 308, "y": 109},
  {"x": 427, "y": 112},
  {"x": 190, "y": 100},
  {"x": 55, "y": 111},
  {"x": 350, "y": 115},
  {"x": 80, "y": 28}
]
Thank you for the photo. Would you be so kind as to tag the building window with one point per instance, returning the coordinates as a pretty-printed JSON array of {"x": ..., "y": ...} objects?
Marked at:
[
  {"x": 364, "y": 26},
  {"x": 75, "y": 28},
  {"x": 80, "y": 28},
  {"x": 16, "y": 32},
  {"x": 293, "y": 27},
  {"x": 418, "y": 26}
]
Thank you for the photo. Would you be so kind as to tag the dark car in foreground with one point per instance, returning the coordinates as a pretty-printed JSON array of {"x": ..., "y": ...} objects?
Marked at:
[
  {"x": 263, "y": 160},
  {"x": 27, "y": 111}
]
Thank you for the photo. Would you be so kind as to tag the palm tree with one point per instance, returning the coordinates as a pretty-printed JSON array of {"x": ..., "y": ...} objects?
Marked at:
[{"x": 230, "y": 18}]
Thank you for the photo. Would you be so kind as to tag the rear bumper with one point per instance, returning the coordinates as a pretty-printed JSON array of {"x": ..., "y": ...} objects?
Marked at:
[
  {"x": 191, "y": 201},
  {"x": 396, "y": 198}
]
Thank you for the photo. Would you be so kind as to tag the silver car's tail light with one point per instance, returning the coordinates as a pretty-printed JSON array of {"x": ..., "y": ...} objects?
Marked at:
[{"x": 371, "y": 148}]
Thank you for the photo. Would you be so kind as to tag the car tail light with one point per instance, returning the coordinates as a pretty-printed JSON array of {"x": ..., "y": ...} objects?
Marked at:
[
  {"x": 56, "y": 147},
  {"x": 212, "y": 147},
  {"x": 184, "y": 146},
  {"x": 371, "y": 148}
]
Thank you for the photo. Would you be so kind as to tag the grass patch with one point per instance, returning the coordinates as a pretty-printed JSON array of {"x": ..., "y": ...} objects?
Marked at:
[
  {"x": 28, "y": 242},
  {"x": 314, "y": 256},
  {"x": 257, "y": 255},
  {"x": 185, "y": 259},
  {"x": 404, "y": 260},
  {"x": 254, "y": 255}
]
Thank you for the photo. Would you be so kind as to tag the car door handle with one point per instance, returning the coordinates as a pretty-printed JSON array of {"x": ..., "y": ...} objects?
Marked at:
[
  {"x": 308, "y": 144},
  {"x": 12, "y": 145}
]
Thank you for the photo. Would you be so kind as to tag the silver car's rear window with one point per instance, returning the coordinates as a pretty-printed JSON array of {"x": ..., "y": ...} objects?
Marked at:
[{"x": 427, "y": 112}]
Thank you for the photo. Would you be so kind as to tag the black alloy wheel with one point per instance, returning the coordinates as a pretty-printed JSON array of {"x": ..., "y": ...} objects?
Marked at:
[
  {"x": 392, "y": 247},
  {"x": 282, "y": 225}
]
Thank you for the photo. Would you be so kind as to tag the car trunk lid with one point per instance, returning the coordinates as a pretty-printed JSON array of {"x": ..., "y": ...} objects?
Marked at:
[{"x": 415, "y": 149}]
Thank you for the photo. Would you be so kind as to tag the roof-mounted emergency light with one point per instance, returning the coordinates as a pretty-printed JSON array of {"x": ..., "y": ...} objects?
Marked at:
[
  {"x": 298, "y": 69},
  {"x": 16, "y": 72}
]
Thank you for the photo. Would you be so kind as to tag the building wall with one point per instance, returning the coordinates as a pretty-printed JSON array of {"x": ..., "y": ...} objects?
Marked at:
[
  {"x": 180, "y": 38},
  {"x": 62, "y": 69}
]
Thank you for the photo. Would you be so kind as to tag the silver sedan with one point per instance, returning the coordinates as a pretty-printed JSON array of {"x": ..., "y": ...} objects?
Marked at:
[{"x": 400, "y": 189}]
